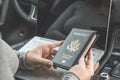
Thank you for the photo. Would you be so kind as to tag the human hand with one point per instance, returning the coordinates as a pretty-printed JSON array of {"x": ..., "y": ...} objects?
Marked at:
[
  {"x": 84, "y": 69},
  {"x": 41, "y": 55}
]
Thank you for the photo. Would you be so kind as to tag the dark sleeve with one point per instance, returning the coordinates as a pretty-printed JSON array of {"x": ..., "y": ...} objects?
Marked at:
[{"x": 69, "y": 76}]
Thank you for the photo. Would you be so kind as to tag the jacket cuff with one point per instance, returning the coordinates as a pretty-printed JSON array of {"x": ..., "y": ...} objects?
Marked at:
[
  {"x": 69, "y": 76},
  {"x": 22, "y": 64}
]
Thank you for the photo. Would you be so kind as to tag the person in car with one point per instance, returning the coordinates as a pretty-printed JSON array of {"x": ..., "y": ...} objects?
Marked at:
[{"x": 40, "y": 56}]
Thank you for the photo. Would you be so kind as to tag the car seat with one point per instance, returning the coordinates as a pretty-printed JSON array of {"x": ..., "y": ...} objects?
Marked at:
[{"x": 77, "y": 15}]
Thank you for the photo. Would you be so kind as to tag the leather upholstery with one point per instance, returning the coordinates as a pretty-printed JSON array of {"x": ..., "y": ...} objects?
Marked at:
[{"x": 77, "y": 15}]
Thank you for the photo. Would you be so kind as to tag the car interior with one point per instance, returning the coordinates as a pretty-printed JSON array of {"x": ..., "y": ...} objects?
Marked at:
[{"x": 23, "y": 20}]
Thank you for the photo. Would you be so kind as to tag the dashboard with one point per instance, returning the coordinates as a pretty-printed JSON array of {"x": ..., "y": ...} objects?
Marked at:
[{"x": 111, "y": 69}]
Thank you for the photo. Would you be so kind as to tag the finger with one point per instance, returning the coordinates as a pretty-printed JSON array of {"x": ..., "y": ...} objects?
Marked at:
[
  {"x": 96, "y": 66},
  {"x": 50, "y": 57},
  {"x": 53, "y": 52},
  {"x": 45, "y": 62},
  {"x": 44, "y": 50},
  {"x": 54, "y": 66},
  {"x": 81, "y": 61},
  {"x": 90, "y": 60},
  {"x": 55, "y": 44}
]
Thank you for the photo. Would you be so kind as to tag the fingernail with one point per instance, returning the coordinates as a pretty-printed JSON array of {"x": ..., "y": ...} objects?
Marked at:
[{"x": 49, "y": 64}]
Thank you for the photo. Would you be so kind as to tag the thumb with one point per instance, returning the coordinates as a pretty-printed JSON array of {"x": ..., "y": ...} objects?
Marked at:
[{"x": 45, "y": 62}]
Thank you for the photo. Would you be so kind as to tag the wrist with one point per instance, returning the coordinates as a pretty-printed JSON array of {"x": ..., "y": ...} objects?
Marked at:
[
  {"x": 27, "y": 62},
  {"x": 69, "y": 76}
]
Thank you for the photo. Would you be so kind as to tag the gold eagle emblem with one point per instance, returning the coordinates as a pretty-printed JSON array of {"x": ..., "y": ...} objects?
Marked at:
[{"x": 74, "y": 45}]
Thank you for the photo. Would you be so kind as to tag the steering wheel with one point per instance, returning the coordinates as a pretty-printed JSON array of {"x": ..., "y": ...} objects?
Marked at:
[{"x": 31, "y": 16}]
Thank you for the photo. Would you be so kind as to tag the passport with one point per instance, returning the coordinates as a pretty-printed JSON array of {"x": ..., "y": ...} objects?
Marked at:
[{"x": 77, "y": 44}]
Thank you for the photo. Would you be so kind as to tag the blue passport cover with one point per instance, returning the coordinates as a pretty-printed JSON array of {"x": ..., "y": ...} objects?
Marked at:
[{"x": 76, "y": 44}]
